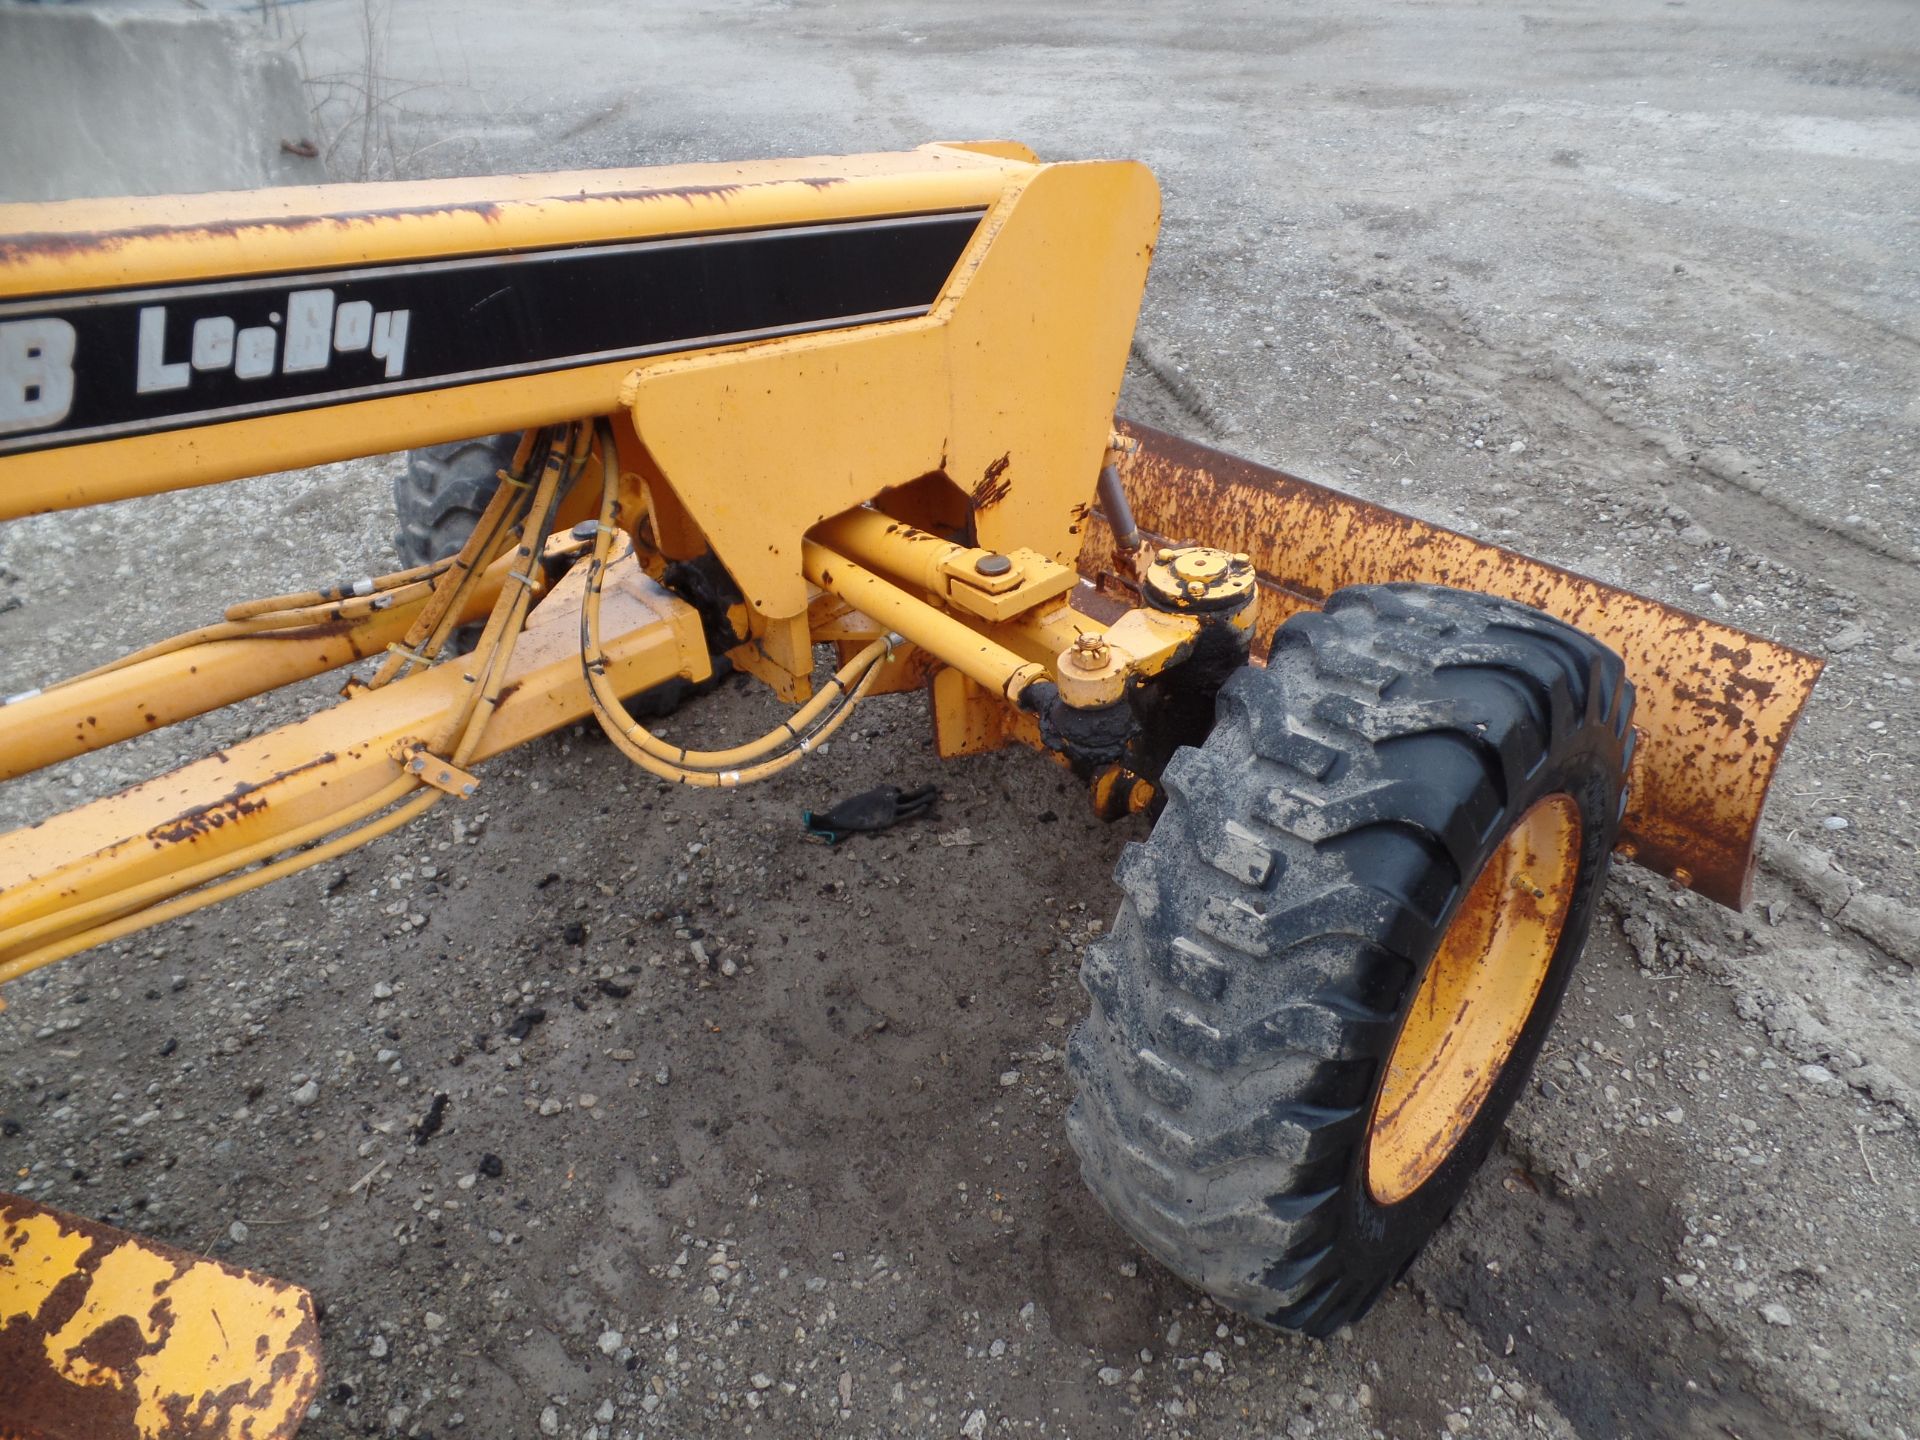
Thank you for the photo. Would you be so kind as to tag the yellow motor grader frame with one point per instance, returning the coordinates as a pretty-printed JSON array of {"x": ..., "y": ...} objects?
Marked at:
[{"x": 873, "y": 395}]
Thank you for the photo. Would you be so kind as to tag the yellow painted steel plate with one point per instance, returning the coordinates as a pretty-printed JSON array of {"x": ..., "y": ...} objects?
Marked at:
[
  {"x": 108, "y": 1336},
  {"x": 1715, "y": 704}
]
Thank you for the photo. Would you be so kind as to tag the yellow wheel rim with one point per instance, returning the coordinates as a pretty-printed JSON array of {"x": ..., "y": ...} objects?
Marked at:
[{"x": 1474, "y": 1000}]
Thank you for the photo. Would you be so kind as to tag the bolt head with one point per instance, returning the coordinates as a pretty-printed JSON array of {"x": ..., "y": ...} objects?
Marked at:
[
  {"x": 1090, "y": 652},
  {"x": 992, "y": 565}
]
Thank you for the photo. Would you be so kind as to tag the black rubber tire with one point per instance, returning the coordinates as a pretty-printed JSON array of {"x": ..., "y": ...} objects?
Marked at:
[
  {"x": 439, "y": 497},
  {"x": 1278, "y": 920}
]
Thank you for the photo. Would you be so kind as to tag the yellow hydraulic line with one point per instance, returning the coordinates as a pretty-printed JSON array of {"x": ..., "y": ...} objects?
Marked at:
[
  {"x": 259, "y": 622},
  {"x": 483, "y": 692},
  {"x": 677, "y": 762},
  {"x": 482, "y": 688},
  {"x": 154, "y": 914},
  {"x": 117, "y": 701},
  {"x": 496, "y": 643},
  {"x": 837, "y": 691},
  {"x": 868, "y": 660},
  {"x": 315, "y": 772},
  {"x": 300, "y": 599},
  {"x": 505, "y": 507},
  {"x": 262, "y": 644},
  {"x": 939, "y": 634},
  {"x": 480, "y": 697},
  {"x": 461, "y": 732}
]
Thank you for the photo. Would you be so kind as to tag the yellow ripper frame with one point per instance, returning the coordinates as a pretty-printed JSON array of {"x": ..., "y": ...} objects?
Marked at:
[
  {"x": 802, "y": 426},
  {"x": 823, "y": 467}
]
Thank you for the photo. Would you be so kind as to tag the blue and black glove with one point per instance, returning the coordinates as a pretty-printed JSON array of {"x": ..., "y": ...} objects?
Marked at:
[{"x": 875, "y": 809}]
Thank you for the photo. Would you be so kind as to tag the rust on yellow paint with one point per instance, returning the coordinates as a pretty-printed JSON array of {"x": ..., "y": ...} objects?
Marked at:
[
  {"x": 103, "y": 709},
  {"x": 108, "y": 1336},
  {"x": 1715, "y": 705},
  {"x": 82, "y": 245},
  {"x": 141, "y": 840},
  {"x": 1005, "y": 389},
  {"x": 779, "y": 654},
  {"x": 885, "y": 463},
  {"x": 970, "y": 719}
]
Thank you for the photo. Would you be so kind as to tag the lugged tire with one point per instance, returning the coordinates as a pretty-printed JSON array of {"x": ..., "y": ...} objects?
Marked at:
[
  {"x": 1277, "y": 923},
  {"x": 439, "y": 497}
]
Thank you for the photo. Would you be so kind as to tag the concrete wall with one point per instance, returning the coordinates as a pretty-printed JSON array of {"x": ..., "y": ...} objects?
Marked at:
[{"x": 139, "y": 104}]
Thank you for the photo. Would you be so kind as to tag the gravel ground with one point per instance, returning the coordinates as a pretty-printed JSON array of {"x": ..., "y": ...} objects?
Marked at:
[{"x": 591, "y": 1111}]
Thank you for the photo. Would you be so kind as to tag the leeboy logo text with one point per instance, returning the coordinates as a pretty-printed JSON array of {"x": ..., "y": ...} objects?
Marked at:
[
  {"x": 315, "y": 330},
  {"x": 292, "y": 340}
]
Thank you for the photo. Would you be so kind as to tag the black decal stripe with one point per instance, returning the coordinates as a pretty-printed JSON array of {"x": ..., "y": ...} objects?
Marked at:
[{"x": 473, "y": 319}]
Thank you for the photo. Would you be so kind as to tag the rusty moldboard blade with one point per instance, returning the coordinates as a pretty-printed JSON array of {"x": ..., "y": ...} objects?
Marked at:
[
  {"x": 107, "y": 1336},
  {"x": 1715, "y": 704}
]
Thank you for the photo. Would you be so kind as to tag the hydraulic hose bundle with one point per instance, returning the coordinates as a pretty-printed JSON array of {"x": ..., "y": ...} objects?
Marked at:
[
  {"x": 29, "y": 945},
  {"x": 518, "y": 519},
  {"x": 806, "y": 728}
]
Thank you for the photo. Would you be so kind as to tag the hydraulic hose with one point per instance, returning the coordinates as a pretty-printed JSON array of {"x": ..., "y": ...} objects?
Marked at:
[
  {"x": 771, "y": 753},
  {"x": 346, "y": 590},
  {"x": 267, "y": 617},
  {"x": 506, "y": 511},
  {"x": 457, "y": 739},
  {"x": 350, "y": 601}
]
